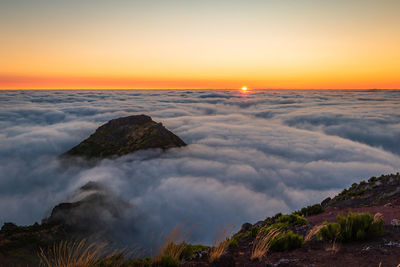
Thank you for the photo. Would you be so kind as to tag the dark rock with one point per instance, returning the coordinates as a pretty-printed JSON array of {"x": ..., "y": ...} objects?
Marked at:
[
  {"x": 245, "y": 228},
  {"x": 325, "y": 202},
  {"x": 95, "y": 207},
  {"x": 19, "y": 245},
  {"x": 8, "y": 227},
  {"x": 125, "y": 135},
  {"x": 259, "y": 224},
  {"x": 201, "y": 254},
  {"x": 285, "y": 262}
]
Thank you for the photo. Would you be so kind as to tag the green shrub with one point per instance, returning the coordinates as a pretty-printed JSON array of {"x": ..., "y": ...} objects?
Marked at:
[
  {"x": 233, "y": 243},
  {"x": 115, "y": 260},
  {"x": 239, "y": 236},
  {"x": 189, "y": 250},
  {"x": 251, "y": 233},
  {"x": 287, "y": 241},
  {"x": 283, "y": 222},
  {"x": 330, "y": 232},
  {"x": 310, "y": 210},
  {"x": 291, "y": 220},
  {"x": 168, "y": 261},
  {"x": 254, "y": 231},
  {"x": 138, "y": 262},
  {"x": 353, "y": 227},
  {"x": 271, "y": 220}
]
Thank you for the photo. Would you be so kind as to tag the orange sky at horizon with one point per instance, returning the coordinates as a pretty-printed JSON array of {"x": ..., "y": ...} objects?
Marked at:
[
  {"x": 74, "y": 83},
  {"x": 305, "y": 44}
]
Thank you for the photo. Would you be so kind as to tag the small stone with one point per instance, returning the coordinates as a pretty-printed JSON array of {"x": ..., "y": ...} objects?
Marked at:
[{"x": 284, "y": 262}]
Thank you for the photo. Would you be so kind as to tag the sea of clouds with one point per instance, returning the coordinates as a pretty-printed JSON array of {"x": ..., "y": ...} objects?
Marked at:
[{"x": 249, "y": 155}]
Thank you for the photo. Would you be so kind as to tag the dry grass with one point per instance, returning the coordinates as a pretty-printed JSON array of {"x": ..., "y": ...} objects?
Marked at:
[
  {"x": 71, "y": 254},
  {"x": 263, "y": 243},
  {"x": 334, "y": 248},
  {"x": 220, "y": 243},
  {"x": 313, "y": 232},
  {"x": 173, "y": 244},
  {"x": 378, "y": 216}
]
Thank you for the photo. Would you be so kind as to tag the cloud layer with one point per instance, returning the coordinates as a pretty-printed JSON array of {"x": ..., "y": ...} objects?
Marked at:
[{"x": 249, "y": 155}]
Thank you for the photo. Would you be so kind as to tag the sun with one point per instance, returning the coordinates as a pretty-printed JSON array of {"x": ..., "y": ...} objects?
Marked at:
[{"x": 244, "y": 89}]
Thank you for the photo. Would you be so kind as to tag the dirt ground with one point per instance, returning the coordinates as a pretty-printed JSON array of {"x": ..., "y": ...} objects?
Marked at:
[{"x": 383, "y": 251}]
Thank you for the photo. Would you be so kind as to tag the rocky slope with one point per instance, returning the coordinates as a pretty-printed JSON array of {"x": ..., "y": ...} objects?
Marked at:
[
  {"x": 374, "y": 192},
  {"x": 377, "y": 196},
  {"x": 125, "y": 135}
]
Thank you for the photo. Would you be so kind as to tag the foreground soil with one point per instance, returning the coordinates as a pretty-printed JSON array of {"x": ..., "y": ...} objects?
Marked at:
[{"x": 383, "y": 251}]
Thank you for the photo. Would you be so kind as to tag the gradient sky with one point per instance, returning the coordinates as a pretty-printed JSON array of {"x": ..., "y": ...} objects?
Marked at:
[{"x": 304, "y": 44}]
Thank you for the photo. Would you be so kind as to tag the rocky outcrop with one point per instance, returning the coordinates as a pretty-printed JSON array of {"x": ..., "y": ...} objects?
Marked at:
[
  {"x": 93, "y": 208},
  {"x": 125, "y": 135}
]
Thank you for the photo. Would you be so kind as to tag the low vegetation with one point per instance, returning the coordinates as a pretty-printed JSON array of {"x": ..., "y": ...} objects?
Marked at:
[
  {"x": 287, "y": 241},
  {"x": 233, "y": 243},
  {"x": 72, "y": 254},
  {"x": 310, "y": 210},
  {"x": 263, "y": 243},
  {"x": 374, "y": 191},
  {"x": 353, "y": 227},
  {"x": 191, "y": 250},
  {"x": 313, "y": 232},
  {"x": 172, "y": 248},
  {"x": 220, "y": 244},
  {"x": 275, "y": 234}
]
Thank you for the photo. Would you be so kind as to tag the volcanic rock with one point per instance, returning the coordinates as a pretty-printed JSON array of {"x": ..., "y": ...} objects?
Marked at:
[
  {"x": 325, "y": 202},
  {"x": 91, "y": 209},
  {"x": 125, "y": 135}
]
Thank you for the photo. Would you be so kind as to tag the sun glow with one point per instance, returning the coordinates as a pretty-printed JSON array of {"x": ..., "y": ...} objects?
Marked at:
[{"x": 244, "y": 89}]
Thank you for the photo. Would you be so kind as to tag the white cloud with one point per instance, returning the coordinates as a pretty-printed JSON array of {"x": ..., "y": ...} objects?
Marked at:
[{"x": 248, "y": 157}]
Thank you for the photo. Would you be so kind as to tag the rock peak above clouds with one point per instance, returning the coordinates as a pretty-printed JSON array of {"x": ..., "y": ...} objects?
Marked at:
[
  {"x": 126, "y": 135},
  {"x": 90, "y": 209}
]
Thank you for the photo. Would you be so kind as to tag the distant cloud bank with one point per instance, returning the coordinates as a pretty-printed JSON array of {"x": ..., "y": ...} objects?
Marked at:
[{"x": 249, "y": 155}]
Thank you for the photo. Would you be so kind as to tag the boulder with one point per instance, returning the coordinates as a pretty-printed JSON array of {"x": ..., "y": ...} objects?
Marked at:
[
  {"x": 325, "y": 202},
  {"x": 245, "y": 228}
]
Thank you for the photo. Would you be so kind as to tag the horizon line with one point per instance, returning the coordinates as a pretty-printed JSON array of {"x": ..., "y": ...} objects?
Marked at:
[{"x": 75, "y": 89}]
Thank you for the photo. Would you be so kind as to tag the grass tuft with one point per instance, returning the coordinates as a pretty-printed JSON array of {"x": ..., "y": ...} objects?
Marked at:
[
  {"x": 262, "y": 243},
  {"x": 378, "y": 216},
  {"x": 220, "y": 243},
  {"x": 71, "y": 254},
  {"x": 313, "y": 232},
  {"x": 172, "y": 248}
]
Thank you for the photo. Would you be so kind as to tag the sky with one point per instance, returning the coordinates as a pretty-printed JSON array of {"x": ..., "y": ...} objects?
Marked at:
[
  {"x": 304, "y": 44},
  {"x": 249, "y": 155}
]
